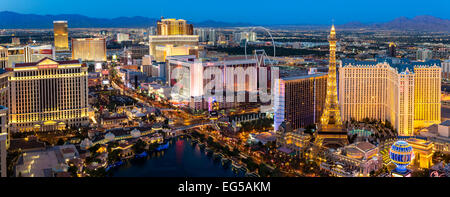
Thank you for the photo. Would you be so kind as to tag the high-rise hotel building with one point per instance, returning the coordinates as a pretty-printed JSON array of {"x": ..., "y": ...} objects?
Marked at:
[
  {"x": 48, "y": 95},
  {"x": 3, "y": 153},
  {"x": 89, "y": 49},
  {"x": 405, "y": 93},
  {"x": 299, "y": 100},
  {"x": 170, "y": 26},
  {"x": 61, "y": 35},
  {"x": 4, "y": 89},
  {"x": 3, "y": 57},
  {"x": 175, "y": 32},
  {"x": 29, "y": 53},
  {"x": 4, "y": 133},
  {"x": 191, "y": 78}
]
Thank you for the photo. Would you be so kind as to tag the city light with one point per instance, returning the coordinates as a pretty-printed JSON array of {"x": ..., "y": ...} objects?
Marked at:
[{"x": 225, "y": 89}]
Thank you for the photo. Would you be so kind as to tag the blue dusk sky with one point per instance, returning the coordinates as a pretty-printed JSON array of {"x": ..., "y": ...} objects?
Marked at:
[{"x": 263, "y": 12}]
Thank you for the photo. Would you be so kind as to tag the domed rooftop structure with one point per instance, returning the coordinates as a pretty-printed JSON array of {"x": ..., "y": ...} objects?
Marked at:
[
  {"x": 110, "y": 137},
  {"x": 85, "y": 144},
  {"x": 135, "y": 133}
]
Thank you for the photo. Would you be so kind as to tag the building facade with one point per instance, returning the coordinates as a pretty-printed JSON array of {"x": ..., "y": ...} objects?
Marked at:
[
  {"x": 424, "y": 54},
  {"x": 89, "y": 49},
  {"x": 392, "y": 50},
  {"x": 61, "y": 35},
  {"x": 120, "y": 37},
  {"x": 48, "y": 95},
  {"x": 296, "y": 140},
  {"x": 3, "y": 57},
  {"x": 175, "y": 32},
  {"x": 164, "y": 51},
  {"x": 299, "y": 100},
  {"x": 446, "y": 69},
  {"x": 405, "y": 93},
  {"x": 423, "y": 152},
  {"x": 175, "y": 40},
  {"x": 4, "y": 133},
  {"x": 29, "y": 53},
  {"x": 359, "y": 159},
  {"x": 4, "y": 98},
  {"x": 190, "y": 77},
  {"x": 4, "y": 87},
  {"x": 3, "y": 163},
  {"x": 170, "y": 26},
  {"x": 427, "y": 94}
]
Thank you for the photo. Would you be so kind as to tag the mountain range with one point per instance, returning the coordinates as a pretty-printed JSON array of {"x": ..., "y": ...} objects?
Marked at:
[
  {"x": 418, "y": 23},
  {"x": 13, "y": 20}
]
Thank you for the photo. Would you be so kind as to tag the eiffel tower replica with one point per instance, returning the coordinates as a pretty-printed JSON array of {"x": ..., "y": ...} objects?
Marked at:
[{"x": 330, "y": 132}]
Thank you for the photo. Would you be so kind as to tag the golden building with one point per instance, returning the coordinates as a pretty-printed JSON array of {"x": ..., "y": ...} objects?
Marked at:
[
  {"x": 89, "y": 49},
  {"x": 423, "y": 152},
  {"x": 172, "y": 32},
  {"x": 175, "y": 40},
  {"x": 48, "y": 95},
  {"x": 368, "y": 92},
  {"x": 296, "y": 140},
  {"x": 360, "y": 159},
  {"x": 163, "y": 51},
  {"x": 390, "y": 91},
  {"x": 166, "y": 27},
  {"x": 406, "y": 102},
  {"x": 61, "y": 35},
  {"x": 427, "y": 94}
]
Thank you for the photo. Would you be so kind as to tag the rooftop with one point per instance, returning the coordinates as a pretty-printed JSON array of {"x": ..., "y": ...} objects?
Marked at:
[
  {"x": 419, "y": 142},
  {"x": 303, "y": 76},
  {"x": 399, "y": 64},
  {"x": 365, "y": 146},
  {"x": 67, "y": 150},
  {"x": 210, "y": 61},
  {"x": 445, "y": 123},
  {"x": 115, "y": 117},
  {"x": 24, "y": 144},
  {"x": 47, "y": 60},
  {"x": 43, "y": 163}
]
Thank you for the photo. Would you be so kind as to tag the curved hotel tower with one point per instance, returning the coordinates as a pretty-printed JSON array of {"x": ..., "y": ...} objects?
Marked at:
[{"x": 89, "y": 49}]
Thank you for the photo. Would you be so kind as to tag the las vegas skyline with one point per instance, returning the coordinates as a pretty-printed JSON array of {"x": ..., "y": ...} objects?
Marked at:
[
  {"x": 224, "y": 89},
  {"x": 260, "y": 13}
]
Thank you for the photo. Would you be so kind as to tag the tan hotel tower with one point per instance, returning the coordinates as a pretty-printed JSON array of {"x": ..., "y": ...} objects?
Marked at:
[{"x": 48, "y": 95}]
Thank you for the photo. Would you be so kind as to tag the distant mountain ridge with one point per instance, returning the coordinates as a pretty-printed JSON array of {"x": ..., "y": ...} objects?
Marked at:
[
  {"x": 13, "y": 20},
  {"x": 418, "y": 23}
]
